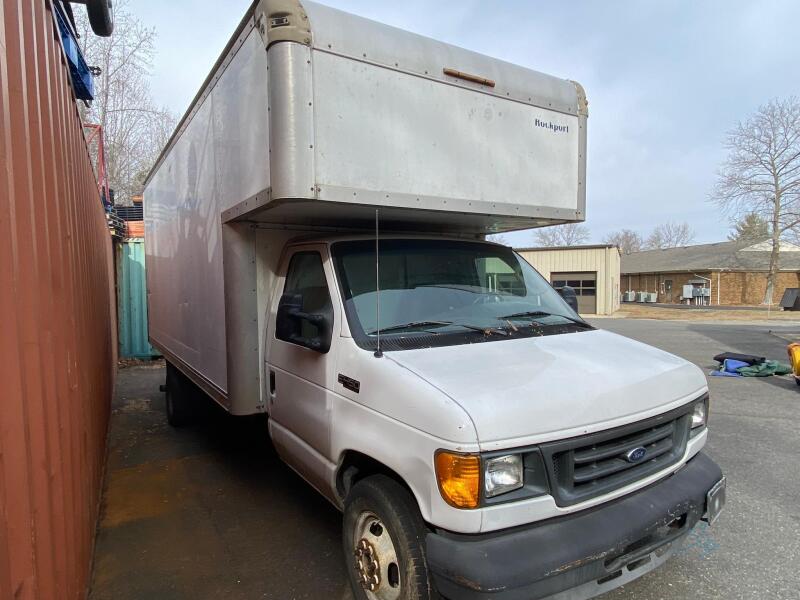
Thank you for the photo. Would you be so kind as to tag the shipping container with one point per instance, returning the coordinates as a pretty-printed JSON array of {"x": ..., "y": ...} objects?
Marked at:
[
  {"x": 132, "y": 300},
  {"x": 58, "y": 342}
]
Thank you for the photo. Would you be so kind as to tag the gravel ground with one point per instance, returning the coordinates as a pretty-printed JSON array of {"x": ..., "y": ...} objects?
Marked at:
[{"x": 210, "y": 512}]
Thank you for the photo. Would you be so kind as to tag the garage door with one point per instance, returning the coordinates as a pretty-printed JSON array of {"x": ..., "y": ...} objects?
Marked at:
[{"x": 585, "y": 286}]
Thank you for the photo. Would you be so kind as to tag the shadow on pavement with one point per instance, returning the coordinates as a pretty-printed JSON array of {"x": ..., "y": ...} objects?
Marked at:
[{"x": 207, "y": 511}]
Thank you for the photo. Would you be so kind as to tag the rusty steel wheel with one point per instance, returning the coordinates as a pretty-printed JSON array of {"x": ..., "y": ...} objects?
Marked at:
[
  {"x": 376, "y": 562},
  {"x": 384, "y": 542}
]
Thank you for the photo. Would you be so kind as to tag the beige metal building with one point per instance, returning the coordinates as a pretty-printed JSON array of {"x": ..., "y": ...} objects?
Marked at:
[{"x": 593, "y": 271}]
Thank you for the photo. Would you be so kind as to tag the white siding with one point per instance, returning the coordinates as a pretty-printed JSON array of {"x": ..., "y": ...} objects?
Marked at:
[{"x": 604, "y": 261}]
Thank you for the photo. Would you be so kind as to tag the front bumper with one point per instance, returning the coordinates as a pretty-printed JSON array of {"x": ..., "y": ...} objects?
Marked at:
[{"x": 587, "y": 553}]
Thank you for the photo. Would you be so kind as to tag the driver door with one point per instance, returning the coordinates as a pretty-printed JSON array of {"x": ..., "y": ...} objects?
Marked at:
[{"x": 300, "y": 379}]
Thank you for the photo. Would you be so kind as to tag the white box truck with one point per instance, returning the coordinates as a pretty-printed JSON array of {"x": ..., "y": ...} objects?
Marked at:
[{"x": 315, "y": 234}]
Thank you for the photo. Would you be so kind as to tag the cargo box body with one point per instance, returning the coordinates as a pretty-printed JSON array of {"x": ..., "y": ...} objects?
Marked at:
[{"x": 312, "y": 127}]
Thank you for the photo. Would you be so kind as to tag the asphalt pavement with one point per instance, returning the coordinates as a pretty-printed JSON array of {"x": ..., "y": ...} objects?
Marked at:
[
  {"x": 753, "y": 550},
  {"x": 209, "y": 511}
]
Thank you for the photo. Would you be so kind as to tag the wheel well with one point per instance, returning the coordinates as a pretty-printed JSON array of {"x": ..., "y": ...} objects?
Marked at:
[{"x": 355, "y": 466}]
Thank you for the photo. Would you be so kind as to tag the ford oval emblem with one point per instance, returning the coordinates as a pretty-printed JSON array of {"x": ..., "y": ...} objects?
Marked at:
[{"x": 636, "y": 454}]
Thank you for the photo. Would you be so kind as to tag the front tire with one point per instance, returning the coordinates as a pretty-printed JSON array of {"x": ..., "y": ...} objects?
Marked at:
[{"x": 384, "y": 543}]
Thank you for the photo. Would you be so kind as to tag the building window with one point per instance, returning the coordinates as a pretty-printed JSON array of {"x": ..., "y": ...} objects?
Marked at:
[{"x": 582, "y": 287}]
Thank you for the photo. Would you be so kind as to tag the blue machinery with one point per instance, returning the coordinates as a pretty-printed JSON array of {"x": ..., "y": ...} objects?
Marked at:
[{"x": 82, "y": 78}]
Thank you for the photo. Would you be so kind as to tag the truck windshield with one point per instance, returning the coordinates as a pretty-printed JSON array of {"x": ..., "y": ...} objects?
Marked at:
[{"x": 443, "y": 292}]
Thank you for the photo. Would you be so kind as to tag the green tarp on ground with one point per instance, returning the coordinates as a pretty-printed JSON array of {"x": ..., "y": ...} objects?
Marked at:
[{"x": 765, "y": 369}]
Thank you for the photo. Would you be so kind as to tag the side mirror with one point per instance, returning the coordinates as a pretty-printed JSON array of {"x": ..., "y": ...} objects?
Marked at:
[
  {"x": 310, "y": 330},
  {"x": 569, "y": 296}
]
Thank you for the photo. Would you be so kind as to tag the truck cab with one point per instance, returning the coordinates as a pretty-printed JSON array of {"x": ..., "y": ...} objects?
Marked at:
[{"x": 463, "y": 395}]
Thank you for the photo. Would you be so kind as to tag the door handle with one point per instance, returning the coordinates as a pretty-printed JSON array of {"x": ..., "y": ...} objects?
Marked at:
[{"x": 271, "y": 382}]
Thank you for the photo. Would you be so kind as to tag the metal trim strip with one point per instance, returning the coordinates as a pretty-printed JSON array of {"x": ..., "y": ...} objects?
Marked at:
[{"x": 211, "y": 390}]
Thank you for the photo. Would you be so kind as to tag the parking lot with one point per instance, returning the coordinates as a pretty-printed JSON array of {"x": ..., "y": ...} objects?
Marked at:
[{"x": 210, "y": 512}]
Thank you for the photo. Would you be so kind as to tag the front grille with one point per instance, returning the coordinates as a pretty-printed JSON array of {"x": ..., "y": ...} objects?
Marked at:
[{"x": 588, "y": 466}]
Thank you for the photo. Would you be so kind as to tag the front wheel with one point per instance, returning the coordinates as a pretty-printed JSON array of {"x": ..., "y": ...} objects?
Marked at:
[{"x": 384, "y": 543}]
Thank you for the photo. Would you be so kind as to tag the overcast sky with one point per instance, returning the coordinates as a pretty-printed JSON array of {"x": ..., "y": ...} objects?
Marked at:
[{"x": 665, "y": 80}]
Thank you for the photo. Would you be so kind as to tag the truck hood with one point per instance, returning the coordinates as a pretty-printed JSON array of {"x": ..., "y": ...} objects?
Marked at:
[{"x": 531, "y": 390}]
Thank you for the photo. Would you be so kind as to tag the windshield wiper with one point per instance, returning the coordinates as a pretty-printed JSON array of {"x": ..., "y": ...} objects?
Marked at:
[
  {"x": 411, "y": 325},
  {"x": 427, "y": 324},
  {"x": 485, "y": 330},
  {"x": 541, "y": 313},
  {"x": 461, "y": 288}
]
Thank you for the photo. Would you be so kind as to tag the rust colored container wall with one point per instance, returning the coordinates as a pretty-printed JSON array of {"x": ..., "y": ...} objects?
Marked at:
[{"x": 57, "y": 323}]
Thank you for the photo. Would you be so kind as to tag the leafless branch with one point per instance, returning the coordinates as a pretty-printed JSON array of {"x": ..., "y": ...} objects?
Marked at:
[
  {"x": 134, "y": 127},
  {"x": 670, "y": 235},
  {"x": 571, "y": 234},
  {"x": 626, "y": 240}
]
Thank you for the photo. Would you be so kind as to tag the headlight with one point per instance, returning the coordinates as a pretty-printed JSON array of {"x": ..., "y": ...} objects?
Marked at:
[
  {"x": 502, "y": 474},
  {"x": 700, "y": 414},
  {"x": 471, "y": 481}
]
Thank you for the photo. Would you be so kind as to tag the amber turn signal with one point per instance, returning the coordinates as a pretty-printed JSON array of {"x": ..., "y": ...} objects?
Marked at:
[{"x": 459, "y": 478}]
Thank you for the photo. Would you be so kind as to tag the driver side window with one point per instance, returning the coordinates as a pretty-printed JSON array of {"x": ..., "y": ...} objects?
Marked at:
[{"x": 306, "y": 282}]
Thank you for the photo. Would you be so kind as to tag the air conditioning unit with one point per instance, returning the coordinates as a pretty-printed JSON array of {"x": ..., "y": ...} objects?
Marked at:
[
  {"x": 651, "y": 297},
  {"x": 641, "y": 296},
  {"x": 629, "y": 296}
]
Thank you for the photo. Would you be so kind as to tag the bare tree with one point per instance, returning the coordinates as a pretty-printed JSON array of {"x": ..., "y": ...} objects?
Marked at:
[
  {"x": 571, "y": 234},
  {"x": 751, "y": 226},
  {"x": 761, "y": 174},
  {"x": 626, "y": 240},
  {"x": 792, "y": 236},
  {"x": 670, "y": 235},
  {"x": 134, "y": 128}
]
